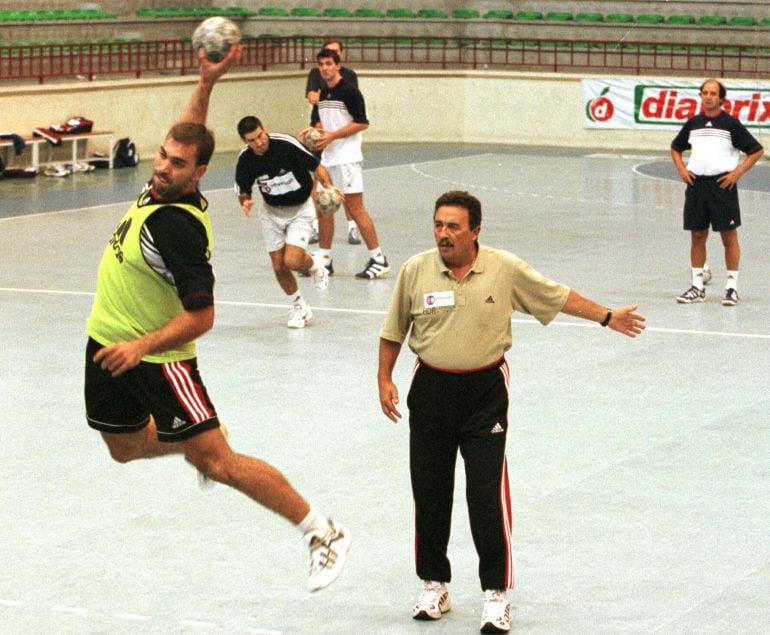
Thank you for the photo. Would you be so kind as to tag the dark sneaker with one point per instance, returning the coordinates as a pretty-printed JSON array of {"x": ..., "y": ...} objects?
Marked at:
[
  {"x": 374, "y": 269},
  {"x": 731, "y": 297},
  {"x": 693, "y": 294}
]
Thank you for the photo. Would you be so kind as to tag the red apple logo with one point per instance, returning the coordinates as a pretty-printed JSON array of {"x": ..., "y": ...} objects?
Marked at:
[{"x": 600, "y": 109}]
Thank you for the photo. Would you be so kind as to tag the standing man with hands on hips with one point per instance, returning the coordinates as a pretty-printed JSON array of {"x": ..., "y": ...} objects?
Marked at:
[
  {"x": 454, "y": 303},
  {"x": 716, "y": 140}
]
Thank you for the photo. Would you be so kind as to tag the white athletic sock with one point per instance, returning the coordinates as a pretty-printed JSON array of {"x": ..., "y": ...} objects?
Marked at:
[
  {"x": 377, "y": 254},
  {"x": 296, "y": 298},
  {"x": 697, "y": 277},
  {"x": 313, "y": 521},
  {"x": 732, "y": 280},
  {"x": 326, "y": 254},
  {"x": 352, "y": 224}
]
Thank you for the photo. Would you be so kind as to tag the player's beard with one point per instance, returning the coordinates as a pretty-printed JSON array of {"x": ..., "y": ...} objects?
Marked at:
[{"x": 169, "y": 190}]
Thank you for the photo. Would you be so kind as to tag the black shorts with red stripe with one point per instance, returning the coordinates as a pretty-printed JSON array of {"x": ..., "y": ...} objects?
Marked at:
[{"x": 172, "y": 393}]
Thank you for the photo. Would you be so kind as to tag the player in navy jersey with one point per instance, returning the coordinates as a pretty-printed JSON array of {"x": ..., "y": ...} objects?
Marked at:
[
  {"x": 315, "y": 83},
  {"x": 716, "y": 140},
  {"x": 341, "y": 117},
  {"x": 285, "y": 173}
]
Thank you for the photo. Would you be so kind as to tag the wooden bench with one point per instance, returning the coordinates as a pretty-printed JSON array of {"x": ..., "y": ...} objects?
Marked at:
[{"x": 34, "y": 144}]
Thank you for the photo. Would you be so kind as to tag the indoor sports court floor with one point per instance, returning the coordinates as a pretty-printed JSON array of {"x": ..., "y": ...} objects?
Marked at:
[{"x": 639, "y": 468}]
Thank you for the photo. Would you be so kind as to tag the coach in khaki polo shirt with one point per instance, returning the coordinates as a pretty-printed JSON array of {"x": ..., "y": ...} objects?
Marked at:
[{"x": 455, "y": 302}]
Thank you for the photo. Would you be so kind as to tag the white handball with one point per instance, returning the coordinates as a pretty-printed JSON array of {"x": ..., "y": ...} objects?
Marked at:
[
  {"x": 216, "y": 35},
  {"x": 328, "y": 200},
  {"x": 310, "y": 138}
]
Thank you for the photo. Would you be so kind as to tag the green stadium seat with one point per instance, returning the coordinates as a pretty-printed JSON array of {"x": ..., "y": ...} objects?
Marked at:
[
  {"x": 649, "y": 18},
  {"x": 337, "y": 12},
  {"x": 764, "y": 22},
  {"x": 305, "y": 12},
  {"x": 400, "y": 14},
  {"x": 619, "y": 18},
  {"x": 712, "y": 20},
  {"x": 431, "y": 14},
  {"x": 273, "y": 12},
  {"x": 465, "y": 14},
  {"x": 528, "y": 15},
  {"x": 589, "y": 16},
  {"x": 498, "y": 14},
  {"x": 558, "y": 16},
  {"x": 742, "y": 21},
  {"x": 368, "y": 12},
  {"x": 680, "y": 19}
]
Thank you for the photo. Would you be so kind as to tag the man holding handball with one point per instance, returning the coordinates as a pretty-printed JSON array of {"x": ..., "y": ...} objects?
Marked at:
[{"x": 154, "y": 298}]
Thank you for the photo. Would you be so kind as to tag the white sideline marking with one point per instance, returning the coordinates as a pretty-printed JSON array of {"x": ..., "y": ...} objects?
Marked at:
[
  {"x": 529, "y": 321},
  {"x": 132, "y": 616},
  {"x": 74, "y": 610}
]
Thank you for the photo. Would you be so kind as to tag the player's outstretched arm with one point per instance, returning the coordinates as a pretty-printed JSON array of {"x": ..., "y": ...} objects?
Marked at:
[
  {"x": 624, "y": 320},
  {"x": 197, "y": 108}
]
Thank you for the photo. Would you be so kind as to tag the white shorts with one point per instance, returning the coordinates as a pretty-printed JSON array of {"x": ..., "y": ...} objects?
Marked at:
[
  {"x": 287, "y": 225},
  {"x": 348, "y": 177}
]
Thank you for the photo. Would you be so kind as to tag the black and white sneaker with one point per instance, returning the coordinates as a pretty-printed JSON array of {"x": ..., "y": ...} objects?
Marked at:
[
  {"x": 693, "y": 294},
  {"x": 731, "y": 297},
  {"x": 433, "y": 601},
  {"x": 496, "y": 616},
  {"x": 374, "y": 269},
  {"x": 328, "y": 550}
]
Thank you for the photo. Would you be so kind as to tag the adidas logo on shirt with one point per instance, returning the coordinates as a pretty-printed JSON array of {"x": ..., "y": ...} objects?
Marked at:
[{"x": 497, "y": 429}]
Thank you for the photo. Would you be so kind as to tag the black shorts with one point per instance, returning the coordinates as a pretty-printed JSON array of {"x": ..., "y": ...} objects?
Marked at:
[
  {"x": 705, "y": 203},
  {"x": 172, "y": 393}
]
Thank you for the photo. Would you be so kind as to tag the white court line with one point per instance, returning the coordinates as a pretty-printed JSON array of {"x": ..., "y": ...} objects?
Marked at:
[
  {"x": 11, "y": 603},
  {"x": 136, "y": 617},
  {"x": 207, "y": 192},
  {"x": 527, "y": 321},
  {"x": 75, "y": 610}
]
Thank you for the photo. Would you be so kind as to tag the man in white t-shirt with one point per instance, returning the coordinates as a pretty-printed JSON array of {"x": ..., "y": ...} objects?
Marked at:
[{"x": 341, "y": 116}]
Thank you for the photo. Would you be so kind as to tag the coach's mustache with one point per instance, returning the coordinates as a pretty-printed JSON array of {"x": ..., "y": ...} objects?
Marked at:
[{"x": 444, "y": 242}]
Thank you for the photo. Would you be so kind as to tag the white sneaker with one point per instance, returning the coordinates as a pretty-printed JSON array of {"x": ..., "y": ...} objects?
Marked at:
[
  {"x": 433, "y": 601},
  {"x": 320, "y": 274},
  {"x": 299, "y": 318},
  {"x": 328, "y": 550},
  {"x": 496, "y": 616}
]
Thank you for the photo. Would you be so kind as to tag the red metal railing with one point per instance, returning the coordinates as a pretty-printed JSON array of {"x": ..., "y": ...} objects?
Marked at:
[{"x": 47, "y": 62}]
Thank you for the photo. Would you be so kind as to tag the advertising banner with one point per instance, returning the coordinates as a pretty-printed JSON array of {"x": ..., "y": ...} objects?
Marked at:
[{"x": 662, "y": 104}]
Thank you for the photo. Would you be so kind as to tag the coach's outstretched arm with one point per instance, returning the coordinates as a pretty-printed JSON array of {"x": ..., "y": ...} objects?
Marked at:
[
  {"x": 197, "y": 108},
  {"x": 623, "y": 319}
]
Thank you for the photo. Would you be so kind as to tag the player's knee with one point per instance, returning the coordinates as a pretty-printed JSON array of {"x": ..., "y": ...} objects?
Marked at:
[
  {"x": 214, "y": 466},
  {"x": 295, "y": 262},
  {"x": 121, "y": 453}
]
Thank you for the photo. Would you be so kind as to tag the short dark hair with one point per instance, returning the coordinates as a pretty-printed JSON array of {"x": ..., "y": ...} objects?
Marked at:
[
  {"x": 722, "y": 89},
  {"x": 248, "y": 124},
  {"x": 462, "y": 199},
  {"x": 328, "y": 53},
  {"x": 337, "y": 42},
  {"x": 188, "y": 133}
]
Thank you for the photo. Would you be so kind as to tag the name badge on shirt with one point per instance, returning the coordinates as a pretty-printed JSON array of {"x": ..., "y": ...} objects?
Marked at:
[{"x": 438, "y": 299}]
